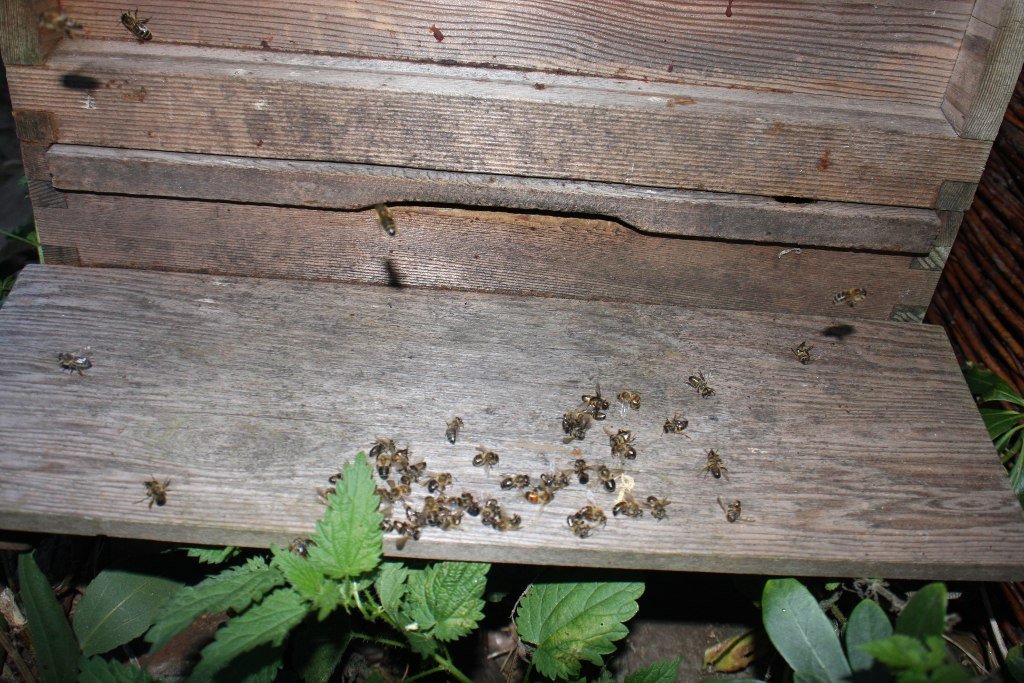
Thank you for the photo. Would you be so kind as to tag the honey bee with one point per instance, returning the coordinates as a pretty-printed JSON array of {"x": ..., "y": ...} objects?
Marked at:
[
  {"x": 493, "y": 516},
  {"x": 675, "y": 425},
  {"x": 383, "y": 446},
  {"x": 323, "y": 495},
  {"x": 300, "y": 546},
  {"x": 415, "y": 471},
  {"x": 714, "y": 466},
  {"x": 515, "y": 481},
  {"x": 575, "y": 425},
  {"x": 387, "y": 221},
  {"x": 586, "y": 520},
  {"x": 539, "y": 495},
  {"x": 629, "y": 398},
  {"x": 851, "y": 297},
  {"x": 452, "y": 433},
  {"x": 408, "y": 531},
  {"x": 700, "y": 384},
  {"x": 556, "y": 481},
  {"x": 505, "y": 523},
  {"x": 137, "y": 27},
  {"x": 485, "y": 458},
  {"x": 156, "y": 493},
  {"x": 732, "y": 513},
  {"x": 439, "y": 482},
  {"x": 400, "y": 459},
  {"x": 581, "y": 469},
  {"x": 383, "y": 465},
  {"x": 56, "y": 21},
  {"x": 467, "y": 503},
  {"x": 596, "y": 403},
  {"x": 627, "y": 507},
  {"x": 622, "y": 443},
  {"x": 803, "y": 353},
  {"x": 74, "y": 362},
  {"x": 657, "y": 506},
  {"x": 607, "y": 477}
]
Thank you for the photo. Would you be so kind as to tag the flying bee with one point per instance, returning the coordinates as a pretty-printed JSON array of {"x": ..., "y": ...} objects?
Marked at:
[
  {"x": 732, "y": 513},
  {"x": 714, "y": 466},
  {"x": 581, "y": 469},
  {"x": 657, "y": 506},
  {"x": 387, "y": 221},
  {"x": 622, "y": 443},
  {"x": 300, "y": 546},
  {"x": 156, "y": 493},
  {"x": 596, "y": 403},
  {"x": 515, "y": 481},
  {"x": 56, "y": 21},
  {"x": 675, "y": 425},
  {"x": 575, "y": 424},
  {"x": 627, "y": 507},
  {"x": 137, "y": 27},
  {"x": 851, "y": 297},
  {"x": 439, "y": 482},
  {"x": 629, "y": 398},
  {"x": 539, "y": 496},
  {"x": 803, "y": 353},
  {"x": 485, "y": 458},
  {"x": 74, "y": 362},
  {"x": 607, "y": 477},
  {"x": 452, "y": 433},
  {"x": 700, "y": 384}
]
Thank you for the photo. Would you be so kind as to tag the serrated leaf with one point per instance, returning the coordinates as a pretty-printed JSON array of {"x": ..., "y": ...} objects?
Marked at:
[
  {"x": 925, "y": 613},
  {"x": 391, "y": 585},
  {"x": 117, "y": 607},
  {"x": 267, "y": 623},
  {"x": 233, "y": 589},
  {"x": 446, "y": 598},
  {"x": 257, "y": 666},
  {"x": 213, "y": 555},
  {"x": 1015, "y": 664},
  {"x": 573, "y": 622},
  {"x": 868, "y": 622},
  {"x": 348, "y": 536},
  {"x": 55, "y": 646},
  {"x": 99, "y": 670},
  {"x": 734, "y": 654},
  {"x": 900, "y": 651},
  {"x": 319, "y": 647},
  {"x": 800, "y": 631},
  {"x": 666, "y": 671},
  {"x": 322, "y": 592}
]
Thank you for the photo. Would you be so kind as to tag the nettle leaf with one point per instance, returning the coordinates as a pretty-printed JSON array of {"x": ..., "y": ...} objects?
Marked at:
[
  {"x": 267, "y": 623},
  {"x": 99, "y": 670},
  {"x": 800, "y": 631},
  {"x": 868, "y": 622},
  {"x": 259, "y": 665},
  {"x": 55, "y": 646},
  {"x": 900, "y": 651},
  {"x": 213, "y": 555},
  {"x": 391, "y": 585},
  {"x": 446, "y": 598},
  {"x": 319, "y": 647},
  {"x": 117, "y": 607},
  {"x": 348, "y": 536},
  {"x": 925, "y": 613},
  {"x": 233, "y": 589},
  {"x": 322, "y": 592},
  {"x": 666, "y": 671},
  {"x": 573, "y": 622}
]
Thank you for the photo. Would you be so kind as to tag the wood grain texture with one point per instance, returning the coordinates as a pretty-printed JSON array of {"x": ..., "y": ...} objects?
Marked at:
[
  {"x": 986, "y": 69},
  {"x": 281, "y": 106},
  {"x": 21, "y": 39},
  {"x": 356, "y": 186},
  {"x": 248, "y": 394},
  {"x": 475, "y": 250},
  {"x": 894, "y": 50}
]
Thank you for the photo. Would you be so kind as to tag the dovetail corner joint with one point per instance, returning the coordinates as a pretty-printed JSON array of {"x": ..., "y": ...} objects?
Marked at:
[
  {"x": 61, "y": 255},
  {"x": 955, "y": 196},
  {"x": 36, "y": 126}
]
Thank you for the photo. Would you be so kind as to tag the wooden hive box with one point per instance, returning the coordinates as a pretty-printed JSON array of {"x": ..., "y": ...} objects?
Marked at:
[{"x": 665, "y": 188}]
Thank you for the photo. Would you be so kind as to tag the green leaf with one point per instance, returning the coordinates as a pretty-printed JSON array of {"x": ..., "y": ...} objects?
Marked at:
[
  {"x": 319, "y": 647},
  {"x": 989, "y": 386},
  {"x": 666, "y": 671},
  {"x": 867, "y": 622},
  {"x": 348, "y": 537},
  {"x": 925, "y": 613},
  {"x": 998, "y": 421},
  {"x": 213, "y": 555},
  {"x": 266, "y": 623},
  {"x": 446, "y": 598},
  {"x": 117, "y": 607},
  {"x": 950, "y": 673},
  {"x": 99, "y": 670},
  {"x": 800, "y": 631},
  {"x": 233, "y": 589},
  {"x": 1015, "y": 664},
  {"x": 573, "y": 622},
  {"x": 1002, "y": 442},
  {"x": 391, "y": 585},
  {"x": 322, "y": 592},
  {"x": 55, "y": 646},
  {"x": 259, "y": 665},
  {"x": 810, "y": 677},
  {"x": 900, "y": 651}
]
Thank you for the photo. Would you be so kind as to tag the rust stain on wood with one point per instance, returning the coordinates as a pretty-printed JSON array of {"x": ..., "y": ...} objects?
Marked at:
[
  {"x": 680, "y": 101},
  {"x": 824, "y": 163}
]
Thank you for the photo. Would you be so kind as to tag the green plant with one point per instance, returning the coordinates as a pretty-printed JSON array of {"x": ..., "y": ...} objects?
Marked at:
[{"x": 1005, "y": 425}]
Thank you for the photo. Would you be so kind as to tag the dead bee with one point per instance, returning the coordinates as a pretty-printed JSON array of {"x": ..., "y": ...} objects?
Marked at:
[
  {"x": 439, "y": 482},
  {"x": 607, "y": 477},
  {"x": 556, "y": 481},
  {"x": 400, "y": 459},
  {"x": 657, "y": 506},
  {"x": 575, "y": 424},
  {"x": 383, "y": 465},
  {"x": 851, "y": 297},
  {"x": 627, "y": 507},
  {"x": 300, "y": 546},
  {"x": 515, "y": 481},
  {"x": 732, "y": 513},
  {"x": 803, "y": 353},
  {"x": 416, "y": 470},
  {"x": 399, "y": 491},
  {"x": 506, "y": 523},
  {"x": 596, "y": 403},
  {"x": 630, "y": 398},
  {"x": 585, "y": 521},
  {"x": 387, "y": 221},
  {"x": 700, "y": 384},
  {"x": 137, "y": 27},
  {"x": 467, "y": 503},
  {"x": 156, "y": 493},
  {"x": 485, "y": 458},
  {"x": 335, "y": 478},
  {"x": 383, "y": 446},
  {"x": 73, "y": 362},
  {"x": 56, "y": 21},
  {"x": 714, "y": 466},
  {"x": 493, "y": 516},
  {"x": 675, "y": 425},
  {"x": 580, "y": 469},
  {"x": 408, "y": 531},
  {"x": 539, "y": 495},
  {"x": 622, "y": 443},
  {"x": 452, "y": 433},
  {"x": 323, "y": 495}
]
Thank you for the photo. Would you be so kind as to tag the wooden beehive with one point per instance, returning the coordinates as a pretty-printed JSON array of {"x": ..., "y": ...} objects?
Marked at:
[{"x": 665, "y": 187}]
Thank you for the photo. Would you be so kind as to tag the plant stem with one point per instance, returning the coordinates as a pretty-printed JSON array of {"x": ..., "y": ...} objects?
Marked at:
[
  {"x": 424, "y": 674},
  {"x": 19, "y": 663},
  {"x": 447, "y": 665},
  {"x": 12, "y": 236},
  {"x": 375, "y": 639}
]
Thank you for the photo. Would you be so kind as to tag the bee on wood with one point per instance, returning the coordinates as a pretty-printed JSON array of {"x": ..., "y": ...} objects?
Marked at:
[
  {"x": 493, "y": 516},
  {"x": 485, "y": 458},
  {"x": 74, "y": 362},
  {"x": 657, "y": 507},
  {"x": 300, "y": 546},
  {"x": 323, "y": 495},
  {"x": 803, "y": 353},
  {"x": 851, "y": 297},
  {"x": 596, "y": 403},
  {"x": 156, "y": 493},
  {"x": 383, "y": 465},
  {"x": 556, "y": 481},
  {"x": 586, "y": 520},
  {"x": 675, "y": 425},
  {"x": 57, "y": 21},
  {"x": 700, "y": 384},
  {"x": 714, "y": 466},
  {"x": 581, "y": 469},
  {"x": 137, "y": 27},
  {"x": 469, "y": 504},
  {"x": 387, "y": 221},
  {"x": 627, "y": 507},
  {"x": 732, "y": 512},
  {"x": 439, "y": 482},
  {"x": 607, "y": 477},
  {"x": 400, "y": 459},
  {"x": 452, "y": 433},
  {"x": 539, "y": 495},
  {"x": 408, "y": 531},
  {"x": 575, "y": 424},
  {"x": 622, "y": 443},
  {"x": 515, "y": 481},
  {"x": 629, "y": 398}
]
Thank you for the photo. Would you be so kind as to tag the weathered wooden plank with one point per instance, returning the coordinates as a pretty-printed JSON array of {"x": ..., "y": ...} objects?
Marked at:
[
  {"x": 475, "y": 250},
  {"x": 22, "y": 41},
  {"x": 891, "y": 50},
  {"x": 248, "y": 394},
  {"x": 986, "y": 69},
  {"x": 356, "y": 186},
  {"x": 239, "y": 103}
]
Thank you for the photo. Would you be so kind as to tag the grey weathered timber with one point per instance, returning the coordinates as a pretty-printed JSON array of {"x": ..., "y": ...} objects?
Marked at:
[
  {"x": 357, "y": 186},
  {"x": 478, "y": 250},
  {"x": 289, "y": 106},
  {"x": 249, "y": 394}
]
